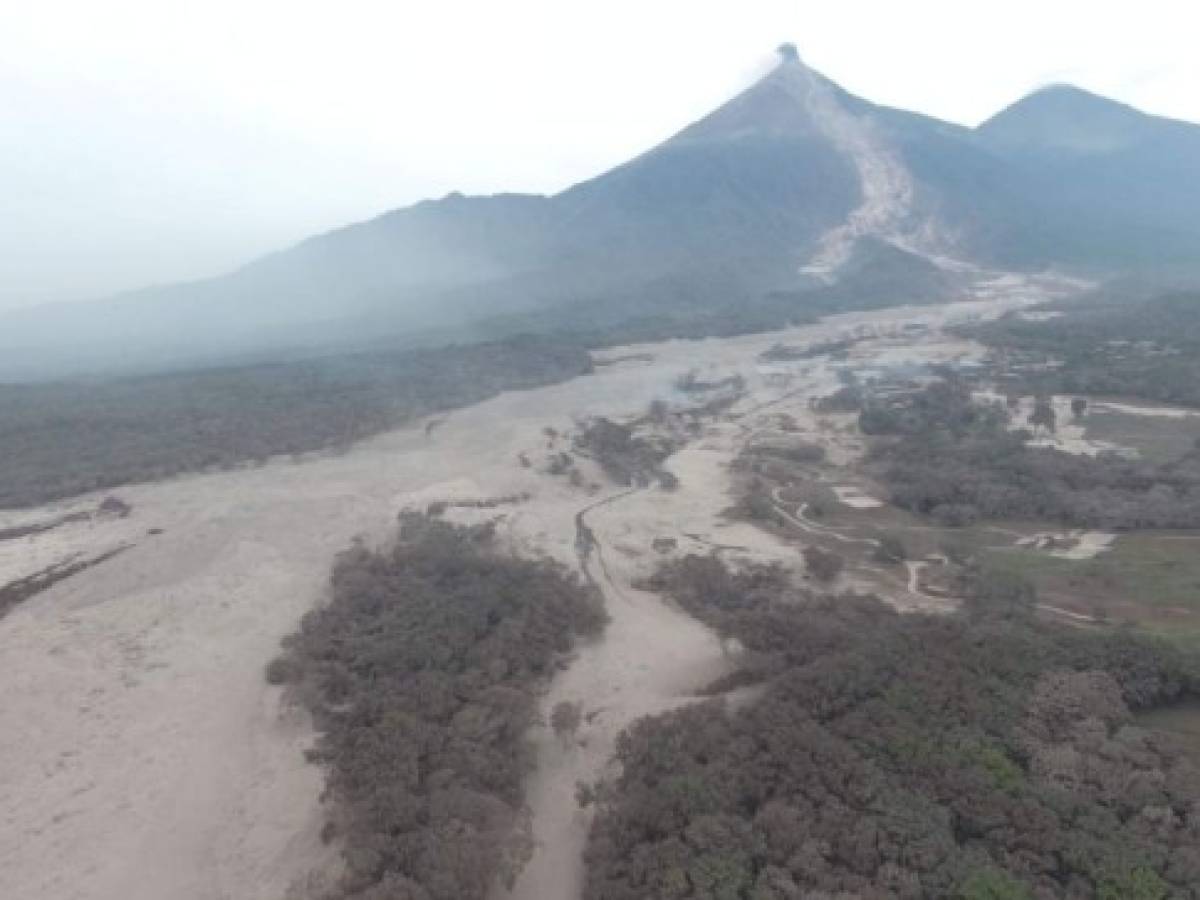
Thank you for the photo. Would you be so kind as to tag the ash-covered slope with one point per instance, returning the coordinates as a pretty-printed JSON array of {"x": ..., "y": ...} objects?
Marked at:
[
  {"x": 319, "y": 293},
  {"x": 730, "y": 208},
  {"x": 772, "y": 194}
]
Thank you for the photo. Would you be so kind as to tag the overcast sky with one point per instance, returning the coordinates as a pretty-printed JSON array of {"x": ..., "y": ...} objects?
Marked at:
[{"x": 144, "y": 141}]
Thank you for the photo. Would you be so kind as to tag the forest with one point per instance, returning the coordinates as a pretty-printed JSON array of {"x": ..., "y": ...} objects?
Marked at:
[
  {"x": 421, "y": 676},
  {"x": 943, "y": 454},
  {"x": 1120, "y": 341},
  {"x": 60, "y": 439},
  {"x": 980, "y": 756},
  {"x": 627, "y": 458}
]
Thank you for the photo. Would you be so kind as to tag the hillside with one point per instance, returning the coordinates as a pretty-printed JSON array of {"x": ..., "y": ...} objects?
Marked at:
[
  {"x": 1098, "y": 182},
  {"x": 766, "y": 196}
]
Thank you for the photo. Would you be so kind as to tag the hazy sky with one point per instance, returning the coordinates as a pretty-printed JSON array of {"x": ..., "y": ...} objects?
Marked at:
[{"x": 149, "y": 140}]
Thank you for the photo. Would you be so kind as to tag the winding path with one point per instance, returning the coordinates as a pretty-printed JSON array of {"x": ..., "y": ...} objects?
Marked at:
[
  {"x": 652, "y": 658},
  {"x": 587, "y": 545}
]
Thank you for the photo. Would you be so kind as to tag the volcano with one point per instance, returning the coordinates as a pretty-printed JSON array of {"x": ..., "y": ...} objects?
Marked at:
[{"x": 790, "y": 190}]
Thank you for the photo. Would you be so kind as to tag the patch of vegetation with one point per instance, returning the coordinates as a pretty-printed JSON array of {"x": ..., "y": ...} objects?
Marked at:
[
  {"x": 755, "y": 505},
  {"x": 788, "y": 353},
  {"x": 891, "y": 550},
  {"x": 20, "y": 590},
  {"x": 421, "y": 675},
  {"x": 626, "y": 457},
  {"x": 20, "y": 531},
  {"x": 944, "y": 455},
  {"x": 1157, "y": 439},
  {"x": 1181, "y": 720},
  {"x": 794, "y": 451},
  {"x": 1152, "y": 580},
  {"x": 1113, "y": 343},
  {"x": 848, "y": 398},
  {"x": 691, "y": 383},
  {"x": 565, "y": 719},
  {"x": 968, "y": 756},
  {"x": 823, "y": 565},
  {"x": 67, "y": 438}
]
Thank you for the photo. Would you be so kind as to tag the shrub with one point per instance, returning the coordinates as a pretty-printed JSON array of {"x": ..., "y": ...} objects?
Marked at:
[
  {"x": 891, "y": 550},
  {"x": 823, "y": 565},
  {"x": 565, "y": 719}
]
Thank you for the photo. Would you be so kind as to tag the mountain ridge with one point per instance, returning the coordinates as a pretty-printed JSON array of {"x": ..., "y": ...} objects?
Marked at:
[{"x": 773, "y": 190}]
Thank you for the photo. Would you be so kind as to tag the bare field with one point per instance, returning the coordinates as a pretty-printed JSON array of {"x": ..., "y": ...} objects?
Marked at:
[{"x": 1146, "y": 579}]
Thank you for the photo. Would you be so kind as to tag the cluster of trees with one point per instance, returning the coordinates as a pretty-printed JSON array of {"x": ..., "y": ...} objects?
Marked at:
[
  {"x": 67, "y": 438},
  {"x": 691, "y": 383},
  {"x": 626, "y": 457},
  {"x": 21, "y": 589},
  {"x": 20, "y": 531},
  {"x": 421, "y": 675},
  {"x": 788, "y": 353},
  {"x": 847, "y": 398},
  {"x": 1116, "y": 344},
  {"x": 947, "y": 456},
  {"x": 971, "y": 756},
  {"x": 823, "y": 565},
  {"x": 792, "y": 451}
]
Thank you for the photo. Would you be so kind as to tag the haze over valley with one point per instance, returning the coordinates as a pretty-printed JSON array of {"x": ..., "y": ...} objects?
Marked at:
[{"x": 788, "y": 181}]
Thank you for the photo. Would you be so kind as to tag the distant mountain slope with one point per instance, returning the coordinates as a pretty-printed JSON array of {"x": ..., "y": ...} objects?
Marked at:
[
  {"x": 769, "y": 195},
  {"x": 1099, "y": 182}
]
